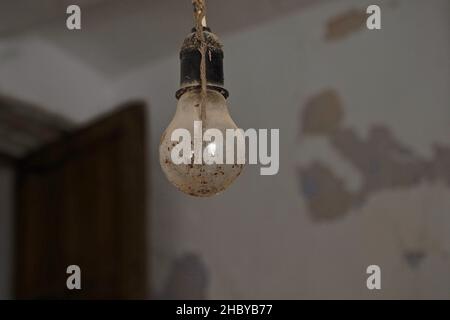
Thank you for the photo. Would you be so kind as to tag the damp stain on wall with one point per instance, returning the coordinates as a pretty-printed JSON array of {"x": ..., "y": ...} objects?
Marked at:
[
  {"x": 383, "y": 161},
  {"x": 344, "y": 24},
  {"x": 188, "y": 279}
]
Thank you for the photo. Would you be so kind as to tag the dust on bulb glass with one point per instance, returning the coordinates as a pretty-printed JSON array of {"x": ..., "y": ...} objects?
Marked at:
[
  {"x": 199, "y": 179},
  {"x": 196, "y": 103}
]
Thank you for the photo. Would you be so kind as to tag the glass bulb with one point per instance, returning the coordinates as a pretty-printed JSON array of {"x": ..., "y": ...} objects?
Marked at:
[{"x": 202, "y": 180}]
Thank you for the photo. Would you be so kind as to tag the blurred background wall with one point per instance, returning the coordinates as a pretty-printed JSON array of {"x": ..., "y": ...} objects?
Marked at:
[{"x": 354, "y": 108}]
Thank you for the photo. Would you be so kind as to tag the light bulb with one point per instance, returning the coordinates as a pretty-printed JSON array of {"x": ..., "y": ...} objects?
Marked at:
[
  {"x": 199, "y": 179},
  {"x": 203, "y": 179}
]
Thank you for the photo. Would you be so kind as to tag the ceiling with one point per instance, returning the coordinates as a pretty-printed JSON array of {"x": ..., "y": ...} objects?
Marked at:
[
  {"x": 118, "y": 36},
  {"x": 21, "y": 15}
]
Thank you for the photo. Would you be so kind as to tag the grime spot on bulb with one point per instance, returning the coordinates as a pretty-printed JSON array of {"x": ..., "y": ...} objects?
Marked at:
[{"x": 204, "y": 191}]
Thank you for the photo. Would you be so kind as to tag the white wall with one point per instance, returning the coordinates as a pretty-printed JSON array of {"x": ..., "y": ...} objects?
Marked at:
[
  {"x": 256, "y": 240},
  {"x": 35, "y": 70}
]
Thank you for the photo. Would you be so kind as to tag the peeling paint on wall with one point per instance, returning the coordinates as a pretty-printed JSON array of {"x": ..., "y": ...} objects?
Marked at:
[
  {"x": 344, "y": 24},
  {"x": 322, "y": 113}
]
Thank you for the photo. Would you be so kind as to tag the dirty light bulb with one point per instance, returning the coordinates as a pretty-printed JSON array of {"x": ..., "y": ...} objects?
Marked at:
[{"x": 200, "y": 179}]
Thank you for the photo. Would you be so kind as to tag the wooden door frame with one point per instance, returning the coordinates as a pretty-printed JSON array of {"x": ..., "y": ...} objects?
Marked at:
[{"x": 69, "y": 146}]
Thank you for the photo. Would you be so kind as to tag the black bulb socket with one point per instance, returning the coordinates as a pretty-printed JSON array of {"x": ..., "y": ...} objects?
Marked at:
[{"x": 190, "y": 60}]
